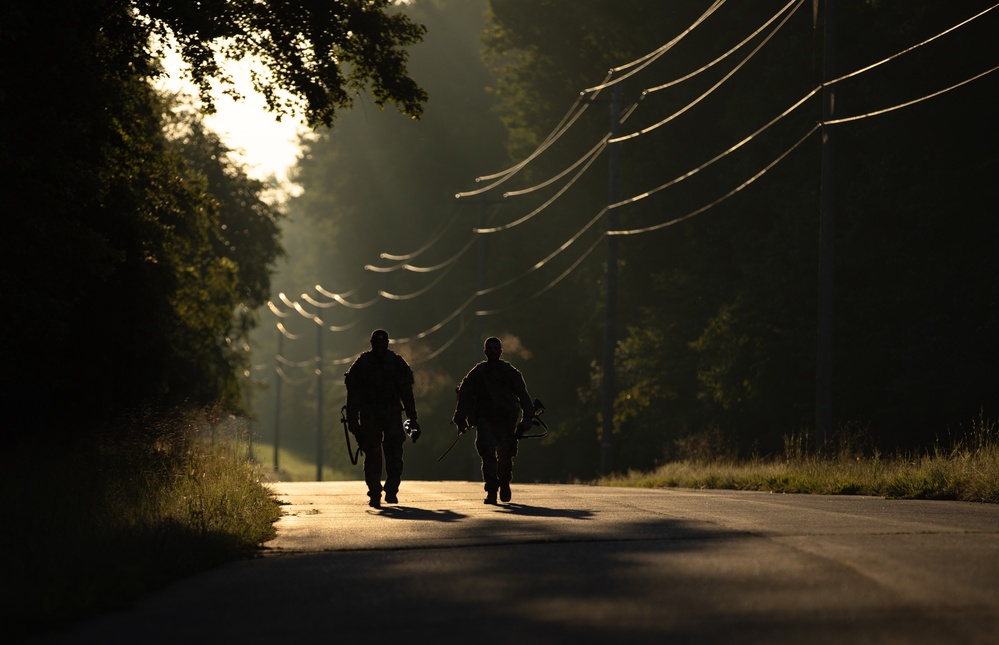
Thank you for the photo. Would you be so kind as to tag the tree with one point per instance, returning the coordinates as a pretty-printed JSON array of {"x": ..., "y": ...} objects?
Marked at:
[
  {"x": 126, "y": 254},
  {"x": 317, "y": 56}
]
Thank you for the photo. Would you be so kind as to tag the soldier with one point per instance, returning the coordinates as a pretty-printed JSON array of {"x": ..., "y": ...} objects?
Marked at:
[
  {"x": 380, "y": 385},
  {"x": 493, "y": 397}
]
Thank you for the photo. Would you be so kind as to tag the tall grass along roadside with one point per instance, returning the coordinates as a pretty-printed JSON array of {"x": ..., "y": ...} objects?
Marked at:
[
  {"x": 98, "y": 521},
  {"x": 965, "y": 467}
]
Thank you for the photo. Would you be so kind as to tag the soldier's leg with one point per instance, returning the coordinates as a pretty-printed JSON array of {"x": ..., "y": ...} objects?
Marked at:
[
  {"x": 485, "y": 445},
  {"x": 371, "y": 444},
  {"x": 395, "y": 439},
  {"x": 506, "y": 450}
]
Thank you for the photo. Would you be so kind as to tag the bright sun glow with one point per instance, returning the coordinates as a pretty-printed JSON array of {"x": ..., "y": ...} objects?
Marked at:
[{"x": 267, "y": 147}]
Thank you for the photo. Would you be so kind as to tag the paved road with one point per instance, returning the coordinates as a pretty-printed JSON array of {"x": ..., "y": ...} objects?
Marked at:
[{"x": 583, "y": 564}]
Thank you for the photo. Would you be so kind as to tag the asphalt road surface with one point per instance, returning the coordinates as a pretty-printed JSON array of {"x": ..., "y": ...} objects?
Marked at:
[{"x": 585, "y": 564}]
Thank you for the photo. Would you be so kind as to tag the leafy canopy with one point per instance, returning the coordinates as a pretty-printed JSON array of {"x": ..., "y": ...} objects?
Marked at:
[{"x": 317, "y": 54}]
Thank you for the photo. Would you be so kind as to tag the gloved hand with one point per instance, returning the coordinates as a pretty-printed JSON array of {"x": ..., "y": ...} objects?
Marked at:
[
  {"x": 354, "y": 427},
  {"x": 462, "y": 426},
  {"x": 414, "y": 429},
  {"x": 522, "y": 429}
]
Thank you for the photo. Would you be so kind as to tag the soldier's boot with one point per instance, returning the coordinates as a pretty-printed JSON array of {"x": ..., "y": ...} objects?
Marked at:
[{"x": 504, "y": 492}]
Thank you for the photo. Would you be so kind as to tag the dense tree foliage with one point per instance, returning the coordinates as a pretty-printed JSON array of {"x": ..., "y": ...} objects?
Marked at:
[
  {"x": 316, "y": 56},
  {"x": 720, "y": 310},
  {"x": 134, "y": 251}
]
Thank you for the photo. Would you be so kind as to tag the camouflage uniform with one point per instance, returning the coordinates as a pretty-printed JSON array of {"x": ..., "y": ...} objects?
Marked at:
[
  {"x": 493, "y": 397},
  {"x": 375, "y": 387}
]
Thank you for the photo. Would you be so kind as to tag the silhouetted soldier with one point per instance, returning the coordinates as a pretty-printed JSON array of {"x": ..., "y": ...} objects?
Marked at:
[
  {"x": 379, "y": 386},
  {"x": 492, "y": 397}
]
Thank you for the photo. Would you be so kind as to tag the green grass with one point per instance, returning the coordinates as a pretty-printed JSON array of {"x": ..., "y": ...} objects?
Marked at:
[
  {"x": 966, "y": 470},
  {"x": 96, "y": 523},
  {"x": 293, "y": 467}
]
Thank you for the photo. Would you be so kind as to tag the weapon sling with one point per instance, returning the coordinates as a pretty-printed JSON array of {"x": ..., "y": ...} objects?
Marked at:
[
  {"x": 536, "y": 420},
  {"x": 346, "y": 433},
  {"x": 453, "y": 444}
]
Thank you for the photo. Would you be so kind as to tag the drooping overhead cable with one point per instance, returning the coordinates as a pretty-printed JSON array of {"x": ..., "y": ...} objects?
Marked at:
[
  {"x": 436, "y": 237},
  {"x": 561, "y": 276},
  {"x": 594, "y": 153},
  {"x": 651, "y": 57},
  {"x": 916, "y": 46},
  {"x": 731, "y": 51},
  {"x": 287, "y": 334},
  {"x": 718, "y": 157},
  {"x": 909, "y": 103},
  {"x": 423, "y": 269},
  {"x": 420, "y": 292},
  {"x": 712, "y": 89},
  {"x": 548, "y": 258},
  {"x": 703, "y": 209}
]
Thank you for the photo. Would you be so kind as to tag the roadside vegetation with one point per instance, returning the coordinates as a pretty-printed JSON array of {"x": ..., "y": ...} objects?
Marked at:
[
  {"x": 96, "y": 524},
  {"x": 965, "y": 467},
  {"x": 293, "y": 466}
]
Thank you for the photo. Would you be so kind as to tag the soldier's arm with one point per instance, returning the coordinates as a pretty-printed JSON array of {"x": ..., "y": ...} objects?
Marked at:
[
  {"x": 350, "y": 381},
  {"x": 523, "y": 396},
  {"x": 465, "y": 403},
  {"x": 406, "y": 391}
]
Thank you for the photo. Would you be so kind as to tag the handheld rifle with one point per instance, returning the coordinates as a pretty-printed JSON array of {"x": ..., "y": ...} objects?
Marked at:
[{"x": 346, "y": 433}]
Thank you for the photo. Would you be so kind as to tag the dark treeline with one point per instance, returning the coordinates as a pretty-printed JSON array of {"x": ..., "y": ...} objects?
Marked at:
[
  {"x": 719, "y": 312},
  {"x": 716, "y": 314},
  {"x": 135, "y": 252}
]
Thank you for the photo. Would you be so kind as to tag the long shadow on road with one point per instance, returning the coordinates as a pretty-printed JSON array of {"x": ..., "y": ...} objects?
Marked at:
[{"x": 533, "y": 574}]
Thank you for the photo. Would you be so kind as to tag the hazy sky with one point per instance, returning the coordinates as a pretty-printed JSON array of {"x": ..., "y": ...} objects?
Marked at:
[{"x": 264, "y": 145}]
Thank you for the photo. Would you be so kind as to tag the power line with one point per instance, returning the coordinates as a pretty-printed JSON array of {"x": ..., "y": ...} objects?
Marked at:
[
  {"x": 731, "y": 51},
  {"x": 541, "y": 263},
  {"x": 732, "y": 192},
  {"x": 346, "y": 303},
  {"x": 651, "y": 57},
  {"x": 427, "y": 332},
  {"x": 563, "y": 275},
  {"x": 720, "y": 156},
  {"x": 916, "y": 46},
  {"x": 420, "y": 292},
  {"x": 593, "y": 154},
  {"x": 714, "y": 87},
  {"x": 425, "y": 269},
  {"x": 288, "y": 363},
  {"x": 566, "y": 122},
  {"x": 547, "y": 143},
  {"x": 437, "y": 352},
  {"x": 287, "y": 334},
  {"x": 277, "y": 312},
  {"x": 782, "y": 156},
  {"x": 290, "y": 381},
  {"x": 595, "y": 150},
  {"x": 912, "y": 102},
  {"x": 433, "y": 240}
]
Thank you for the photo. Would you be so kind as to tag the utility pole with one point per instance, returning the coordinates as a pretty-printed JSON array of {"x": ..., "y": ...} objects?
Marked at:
[
  {"x": 827, "y": 234},
  {"x": 277, "y": 396},
  {"x": 481, "y": 279},
  {"x": 610, "y": 305},
  {"x": 319, "y": 398}
]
